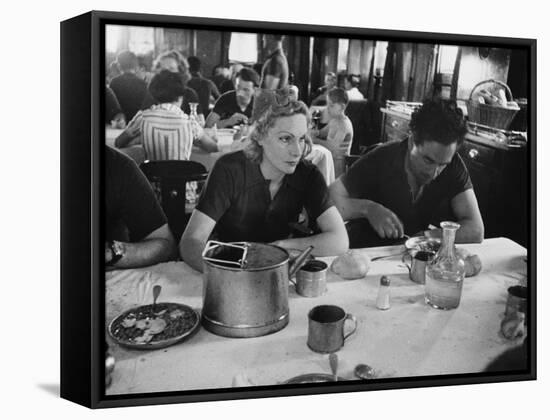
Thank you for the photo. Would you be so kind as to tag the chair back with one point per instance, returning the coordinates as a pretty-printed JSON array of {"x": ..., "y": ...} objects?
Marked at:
[
  {"x": 351, "y": 159},
  {"x": 366, "y": 119},
  {"x": 177, "y": 184}
]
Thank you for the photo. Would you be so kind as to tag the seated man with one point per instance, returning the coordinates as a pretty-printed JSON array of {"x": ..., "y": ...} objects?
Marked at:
[
  {"x": 128, "y": 88},
  {"x": 235, "y": 107},
  {"x": 320, "y": 94},
  {"x": 337, "y": 135},
  {"x": 165, "y": 131},
  {"x": 205, "y": 88},
  {"x": 402, "y": 187},
  {"x": 136, "y": 231},
  {"x": 351, "y": 84},
  {"x": 113, "y": 112}
]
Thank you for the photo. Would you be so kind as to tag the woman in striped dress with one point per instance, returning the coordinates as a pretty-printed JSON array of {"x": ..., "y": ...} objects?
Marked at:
[{"x": 164, "y": 130}]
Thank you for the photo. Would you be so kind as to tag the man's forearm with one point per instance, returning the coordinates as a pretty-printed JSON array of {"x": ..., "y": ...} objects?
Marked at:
[
  {"x": 123, "y": 139},
  {"x": 147, "y": 252},
  {"x": 225, "y": 123},
  {"x": 469, "y": 232},
  {"x": 352, "y": 208}
]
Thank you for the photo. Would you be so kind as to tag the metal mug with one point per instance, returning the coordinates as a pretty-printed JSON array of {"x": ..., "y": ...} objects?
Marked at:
[
  {"x": 326, "y": 328},
  {"x": 516, "y": 302},
  {"x": 311, "y": 279},
  {"x": 419, "y": 261}
]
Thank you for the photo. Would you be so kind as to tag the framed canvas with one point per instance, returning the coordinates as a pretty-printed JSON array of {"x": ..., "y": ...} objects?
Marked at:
[{"x": 175, "y": 290}]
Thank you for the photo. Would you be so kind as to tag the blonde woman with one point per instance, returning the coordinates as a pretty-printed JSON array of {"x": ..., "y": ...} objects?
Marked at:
[{"x": 256, "y": 193}]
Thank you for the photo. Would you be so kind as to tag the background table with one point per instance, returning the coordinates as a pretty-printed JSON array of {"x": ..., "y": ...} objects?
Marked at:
[
  {"x": 409, "y": 339},
  {"x": 319, "y": 156}
]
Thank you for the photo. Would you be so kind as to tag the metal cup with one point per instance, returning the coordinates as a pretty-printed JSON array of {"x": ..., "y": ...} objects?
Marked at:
[
  {"x": 417, "y": 268},
  {"x": 326, "y": 328},
  {"x": 517, "y": 301},
  {"x": 311, "y": 279}
]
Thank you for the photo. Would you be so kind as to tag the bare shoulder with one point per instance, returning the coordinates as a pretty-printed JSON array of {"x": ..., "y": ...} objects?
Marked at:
[{"x": 347, "y": 123}]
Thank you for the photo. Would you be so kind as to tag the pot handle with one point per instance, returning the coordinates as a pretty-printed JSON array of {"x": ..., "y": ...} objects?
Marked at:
[{"x": 299, "y": 261}]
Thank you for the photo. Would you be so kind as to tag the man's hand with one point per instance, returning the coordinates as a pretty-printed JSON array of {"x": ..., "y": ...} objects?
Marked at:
[
  {"x": 237, "y": 118},
  {"x": 108, "y": 253},
  {"x": 384, "y": 221},
  {"x": 134, "y": 128}
]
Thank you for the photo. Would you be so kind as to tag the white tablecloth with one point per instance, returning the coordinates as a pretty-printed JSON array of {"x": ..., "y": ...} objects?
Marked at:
[{"x": 409, "y": 339}]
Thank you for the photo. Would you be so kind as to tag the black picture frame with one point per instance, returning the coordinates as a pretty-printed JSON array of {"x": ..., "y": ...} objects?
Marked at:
[{"x": 82, "y": 265}]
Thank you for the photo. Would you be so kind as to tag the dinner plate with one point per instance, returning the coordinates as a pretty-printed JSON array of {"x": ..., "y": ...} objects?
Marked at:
[
  {"x": 173, "y": 314},
  {"x": 226, "y": 131},
  {"x": 423, "y": 243},
  {"x": 312, "y": 378}
]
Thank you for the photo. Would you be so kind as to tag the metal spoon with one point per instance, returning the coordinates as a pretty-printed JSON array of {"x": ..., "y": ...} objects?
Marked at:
[
  {"x": 333, "y": 359},
  {"x": 364, "y": 372},
  {"x": 156, "y": 293}
]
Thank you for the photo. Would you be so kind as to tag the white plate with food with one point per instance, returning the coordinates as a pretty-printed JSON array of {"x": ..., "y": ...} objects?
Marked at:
[
  {"x": 423, "y": 243},
  {"x": 156, "y": 326}
]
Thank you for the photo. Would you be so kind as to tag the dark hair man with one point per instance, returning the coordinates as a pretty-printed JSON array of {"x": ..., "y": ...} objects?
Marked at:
[
  {"x": 136, "y": 230},
  {"x": 204, "y": 87},
  {"x": 235, "y": 107},
  {"x": 129, "y": 89},
  {"x": 403, "y": 187}
]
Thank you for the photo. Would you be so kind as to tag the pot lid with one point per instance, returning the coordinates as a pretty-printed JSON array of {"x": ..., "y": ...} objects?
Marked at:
[{"x": 244, "y": 255}]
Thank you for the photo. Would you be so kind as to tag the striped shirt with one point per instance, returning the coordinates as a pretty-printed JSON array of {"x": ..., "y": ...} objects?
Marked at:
[{"x": 167, "y": 133}]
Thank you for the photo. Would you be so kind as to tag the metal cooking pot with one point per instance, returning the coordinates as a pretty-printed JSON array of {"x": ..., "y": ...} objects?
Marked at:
[{"x": 245, "y": 287}]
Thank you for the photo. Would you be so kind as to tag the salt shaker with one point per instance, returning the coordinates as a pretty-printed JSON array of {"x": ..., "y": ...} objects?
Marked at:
[{"x": 383, "y": 299}]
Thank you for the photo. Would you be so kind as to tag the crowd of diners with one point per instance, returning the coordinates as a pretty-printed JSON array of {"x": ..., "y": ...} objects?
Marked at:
[{"x": 260, "y": 191}]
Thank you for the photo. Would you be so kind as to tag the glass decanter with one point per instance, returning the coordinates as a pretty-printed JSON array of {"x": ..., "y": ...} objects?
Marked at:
[{"x": 445, "y": 273}]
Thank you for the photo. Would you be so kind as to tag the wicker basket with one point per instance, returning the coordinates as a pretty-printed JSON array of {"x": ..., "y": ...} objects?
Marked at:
[{"x": 491, "y": 115}]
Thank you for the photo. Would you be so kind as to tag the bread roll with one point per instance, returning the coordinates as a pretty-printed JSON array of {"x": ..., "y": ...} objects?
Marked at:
[{"x": 351, "y": 265}]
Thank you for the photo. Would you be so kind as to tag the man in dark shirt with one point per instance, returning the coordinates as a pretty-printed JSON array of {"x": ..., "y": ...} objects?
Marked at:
[
  {"x": 275, "y": 69},
  {"x": 129, "y": 89},
  {"x": 113, "y": 112},
  {"x": 136, "y": 231},
  {"x": 235, "y": 107},
  {"x": 402, "y": 187},
  {"x": 204, "y": 88}
]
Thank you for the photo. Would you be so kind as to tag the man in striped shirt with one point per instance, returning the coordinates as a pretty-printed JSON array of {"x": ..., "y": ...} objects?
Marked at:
[{"x": 164, "y": 130}]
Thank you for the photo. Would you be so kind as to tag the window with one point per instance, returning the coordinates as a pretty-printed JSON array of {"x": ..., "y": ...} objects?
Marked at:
[
  {"x": 141, "y": 40},
  {"x": 243, "y": 48},
  {"x": 343, "y": 47},
  {"x": 112, "y": 35},
  {"x": 381, "y": 50},
  {"x": 447, "y": 58}
]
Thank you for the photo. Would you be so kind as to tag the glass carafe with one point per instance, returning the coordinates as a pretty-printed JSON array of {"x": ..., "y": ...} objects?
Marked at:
[
  {"x": 193, "y": 111},
  {"x": 445, "y": 273}
]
